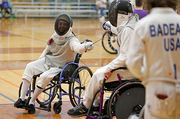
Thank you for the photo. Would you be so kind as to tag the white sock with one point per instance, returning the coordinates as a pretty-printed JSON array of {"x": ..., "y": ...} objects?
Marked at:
[
  {"x": 87, "y": 103},
  {"x": 96, "y": 102},
  {"x": 24, "y": 89},
  {"x": 35, "y": 95}
]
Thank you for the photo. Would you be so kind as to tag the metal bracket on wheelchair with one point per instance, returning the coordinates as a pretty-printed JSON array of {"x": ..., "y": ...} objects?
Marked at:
[
  {"x": 42, "y": 107},
  {"x": 123, "y": 67}
]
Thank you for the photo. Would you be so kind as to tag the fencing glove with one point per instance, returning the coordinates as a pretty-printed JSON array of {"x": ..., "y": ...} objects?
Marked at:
[
  {"x": 89, "y": 46},
  {"x": 107, "y": 26}
]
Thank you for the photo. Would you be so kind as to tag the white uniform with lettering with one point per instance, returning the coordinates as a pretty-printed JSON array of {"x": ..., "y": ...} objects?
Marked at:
[{"x": 157, "y": 38}]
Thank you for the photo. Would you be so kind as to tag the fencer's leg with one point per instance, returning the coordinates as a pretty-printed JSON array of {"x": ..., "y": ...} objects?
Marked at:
[
  {"x": 44, "y": 79},
  {"x": 31, "y": 106},
  {"x": 94, "y": 85},
  {"x": 20, "y": 103},
  {"x": 37, "y": 91},
  {"x": 96, "y": 101},
  {"x": 25, "y": 87}
]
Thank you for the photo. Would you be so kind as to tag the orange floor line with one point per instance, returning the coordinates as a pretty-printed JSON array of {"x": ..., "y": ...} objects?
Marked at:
[
  {"x": 9, "y": 82},
  {"x": 14, "y": 72}
]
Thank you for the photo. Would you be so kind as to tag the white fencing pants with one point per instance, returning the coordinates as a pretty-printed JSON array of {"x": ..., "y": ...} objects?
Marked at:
[
  {"x": 168, "y": 108},
  {"x": 37, "y": 67},
  {"x": 96, "y": 83}
]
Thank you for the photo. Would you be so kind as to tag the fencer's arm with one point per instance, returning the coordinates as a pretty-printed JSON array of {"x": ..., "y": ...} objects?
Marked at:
[
  {"x": 114, "y": 29},
  {"x": 120, "y": 60},
  {"x": 76, "y": 46},
  {"x": 135, "y": 54},
  {"x": 46, "y": 50}
]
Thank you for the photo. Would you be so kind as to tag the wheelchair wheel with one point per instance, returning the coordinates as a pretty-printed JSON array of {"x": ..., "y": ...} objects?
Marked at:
[
  {"x": 6, "y": 12},
  {"x": 78, "y": 84},
  {"x": 57, "y": 107},
  {"x": 109, "y": 42},
  {"x": 48, "y": 94},
  {"x": 126, "y": 99}
]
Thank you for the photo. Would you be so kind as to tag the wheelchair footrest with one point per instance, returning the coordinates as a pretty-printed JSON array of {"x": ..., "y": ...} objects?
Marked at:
[{"x": 42, "y": 107}]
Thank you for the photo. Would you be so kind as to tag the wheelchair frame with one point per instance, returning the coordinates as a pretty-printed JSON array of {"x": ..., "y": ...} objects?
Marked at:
[
  {"x": 56, "y": 82},
  {"x": 109, "y": 106}
]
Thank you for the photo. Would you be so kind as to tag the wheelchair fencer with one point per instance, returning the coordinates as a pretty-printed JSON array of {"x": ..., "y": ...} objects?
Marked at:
[
  {"x": 127, "y": 97},
  {"x": 77, "y": 77}
]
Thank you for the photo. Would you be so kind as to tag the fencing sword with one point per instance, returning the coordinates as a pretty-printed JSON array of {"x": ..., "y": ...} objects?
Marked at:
[{"x": 95, "y": 42}]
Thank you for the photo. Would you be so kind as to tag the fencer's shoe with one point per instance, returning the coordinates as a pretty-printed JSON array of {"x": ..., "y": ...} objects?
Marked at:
[
  {"x": 79, "y": 110},
  {"x": 31, "y": 109},
  {"x": 19, "y": 103}
]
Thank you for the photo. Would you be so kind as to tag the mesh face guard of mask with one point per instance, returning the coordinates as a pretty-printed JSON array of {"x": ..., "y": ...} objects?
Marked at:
[
  {"x": 119, "y": 7},
  {"x": 66, "y": 18}
]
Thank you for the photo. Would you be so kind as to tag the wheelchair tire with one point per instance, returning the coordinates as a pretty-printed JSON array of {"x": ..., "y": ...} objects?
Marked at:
[
  {"x": 79, "y": 82},
  {"x": 6, "y": 12},
  {"x": 109, "y": 42},
  {"x": 57, "y": 107},
  {"x": 126, "y": 99},
  {"x": 48, "y": 94}
]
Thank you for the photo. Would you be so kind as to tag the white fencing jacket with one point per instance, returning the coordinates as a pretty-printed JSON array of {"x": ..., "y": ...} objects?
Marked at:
[
  {"x": 124, "y": 38},
  {"x": 156, "y": 38},
  {"x": 62, "y": 50}
]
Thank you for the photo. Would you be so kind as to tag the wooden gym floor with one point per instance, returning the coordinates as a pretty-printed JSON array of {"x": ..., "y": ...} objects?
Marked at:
[{"x": 22, "y": 41}]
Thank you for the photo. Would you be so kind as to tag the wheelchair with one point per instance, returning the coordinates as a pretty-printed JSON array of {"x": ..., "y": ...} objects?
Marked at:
[
  {"x": 127, "y": 97},
  {"x": 6, "y": 10},
  {"x": 75, "y": 77},
  {"x": 109, "y": 42}
]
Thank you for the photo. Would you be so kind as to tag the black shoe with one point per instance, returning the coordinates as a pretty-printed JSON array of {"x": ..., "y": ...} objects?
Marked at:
[
  {"x": 19, "y": 103},
  {"x": 31, "y": 109},
  {"x": 79, "y": 110}
]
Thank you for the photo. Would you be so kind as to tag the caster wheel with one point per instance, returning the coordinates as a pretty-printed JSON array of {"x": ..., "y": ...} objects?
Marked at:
[{"x": 57, "y": 107}]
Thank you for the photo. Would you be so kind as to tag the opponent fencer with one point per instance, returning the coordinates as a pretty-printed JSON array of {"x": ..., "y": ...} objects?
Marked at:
[
  {"x": 156, "y": 40},
  {"x": 61, "y": 49}
]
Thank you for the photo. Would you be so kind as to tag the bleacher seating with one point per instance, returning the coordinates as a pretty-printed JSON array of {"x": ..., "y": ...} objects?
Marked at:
[{"x": 53, "y": 9}]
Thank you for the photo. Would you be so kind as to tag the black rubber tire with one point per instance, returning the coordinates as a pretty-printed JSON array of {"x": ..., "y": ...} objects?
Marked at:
[
  {"x": 121, "y": 93},
  {"x": 109, "y": 42},
  {"x": 57, "y": 107}
]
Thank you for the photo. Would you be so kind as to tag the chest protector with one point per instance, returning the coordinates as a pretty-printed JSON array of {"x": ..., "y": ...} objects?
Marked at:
[{"x": 130, "y": 23}]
